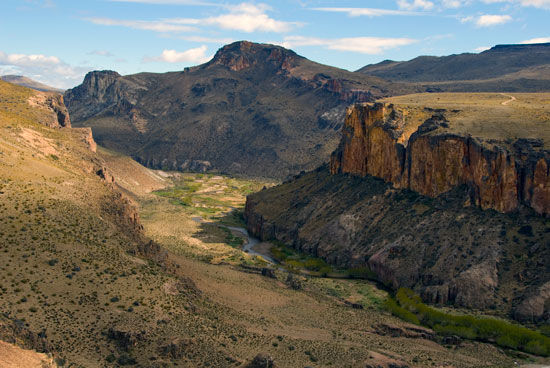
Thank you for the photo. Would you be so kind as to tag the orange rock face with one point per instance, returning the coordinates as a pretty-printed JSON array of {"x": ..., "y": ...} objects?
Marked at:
[
  {"x": 433, "y": 161},
  {"x": 369, "y": 145}
]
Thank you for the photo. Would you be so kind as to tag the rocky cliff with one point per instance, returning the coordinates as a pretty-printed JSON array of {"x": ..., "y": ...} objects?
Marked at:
[
  {"x": 446, "y": 250},
  {"x": 54, "y": 113},
  {"x": 434, "y": 159}
]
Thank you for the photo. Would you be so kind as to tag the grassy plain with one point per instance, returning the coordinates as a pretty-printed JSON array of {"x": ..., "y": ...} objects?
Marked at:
[{"x": 501, "y": 116}]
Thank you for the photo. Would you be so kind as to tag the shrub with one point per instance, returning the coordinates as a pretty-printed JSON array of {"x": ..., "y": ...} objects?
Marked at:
[
  {"x": 480, "y": 328},
  {"x": 451, "y": 330},
  {"x": 526, "y": 230},
  {"x": 400, "y": 312}
]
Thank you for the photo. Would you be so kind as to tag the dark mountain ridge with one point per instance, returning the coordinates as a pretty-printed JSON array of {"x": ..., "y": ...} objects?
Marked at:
[
  {"x": 503, "y": 67},
  {"x": 254, "y": 109}
]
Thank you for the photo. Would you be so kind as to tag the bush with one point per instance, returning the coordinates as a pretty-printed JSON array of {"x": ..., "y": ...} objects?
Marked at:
[
  {"x": 400, "y": 312},
  {"x": 526, "y": 230},
  {"x": 479, "y": 328},
  {"x": 451, "y": 330}
]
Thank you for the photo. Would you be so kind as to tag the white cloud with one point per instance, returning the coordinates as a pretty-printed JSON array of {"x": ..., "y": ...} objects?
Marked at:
[
  {"x": 537, "y": 40},
  {"x": 166, "y": 2},
  {"x": 27, "y": 60},
  {"x": 46, "y": 69},
  {"x": 487, "y": 20},
  {"x": 207, "y": 39},
  {"x": 244, "y": 17},
  {"x": 490, "y": 20},
  {"x": 542, "y": 4},
  {"x": 249, "y": 18},
  {"x": 481, "y": 48},
  {"x": 455, "y": 3},
  {"x": 363, "y": 45},
  {"x": 196, "y": 55},
  {"x": 164, "y": 26},
  {"x": 369, "y": 12},
  {"x": 415, "y": 4},
  {"x": 101, "y": 53},
  {"x": 41, "y": 3}
]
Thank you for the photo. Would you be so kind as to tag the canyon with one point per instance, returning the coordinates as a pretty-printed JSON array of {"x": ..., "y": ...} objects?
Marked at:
[{"x": 416, "y": 193}]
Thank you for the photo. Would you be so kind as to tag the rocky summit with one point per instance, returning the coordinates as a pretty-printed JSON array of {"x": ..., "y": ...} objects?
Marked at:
[{"x": 254, "y": 109}]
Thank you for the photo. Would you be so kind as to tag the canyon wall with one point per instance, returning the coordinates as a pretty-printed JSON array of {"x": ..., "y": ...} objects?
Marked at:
[{"x": 433, "y": 160}]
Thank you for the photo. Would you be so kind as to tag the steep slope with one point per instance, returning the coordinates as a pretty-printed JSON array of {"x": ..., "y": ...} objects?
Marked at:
[
  {"x": 423, "y": 225},
  {"x": 21, "y": 80},
  {"x": 70, "y": 242},
  {"x": 512, "y": 68},
  {"x": 254, "y": 109}
]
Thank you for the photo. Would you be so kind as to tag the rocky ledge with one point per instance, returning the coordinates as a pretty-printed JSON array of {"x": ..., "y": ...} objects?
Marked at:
[{"x": 433, "y": 160}]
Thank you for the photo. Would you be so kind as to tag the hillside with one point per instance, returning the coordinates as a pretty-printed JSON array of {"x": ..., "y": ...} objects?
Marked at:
[
  {"x": 74, "y": 250},
  {"x": 447, "y": 200},
  {"x": 254, "y": 109},
  {"x": 503, "y": 68},
  {"x": 21, "y": 80}
]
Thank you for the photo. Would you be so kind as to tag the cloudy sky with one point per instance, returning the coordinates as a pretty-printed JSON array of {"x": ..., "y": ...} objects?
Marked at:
[{"x": 58, "y": 41}]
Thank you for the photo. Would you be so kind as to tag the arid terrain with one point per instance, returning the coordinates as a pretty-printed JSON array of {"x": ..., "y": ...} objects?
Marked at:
[{"x": 80, "y": 280}]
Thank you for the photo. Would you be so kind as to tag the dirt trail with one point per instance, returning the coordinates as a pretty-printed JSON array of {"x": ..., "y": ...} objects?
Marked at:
[{"x": 512, "y": 98}]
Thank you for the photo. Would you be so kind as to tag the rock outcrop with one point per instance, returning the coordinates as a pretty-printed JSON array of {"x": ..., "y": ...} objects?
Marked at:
[
  {"x": 57, "y": 116},
  {"x": 104, "y": 90},
  {"x": 434, "y": 159}
]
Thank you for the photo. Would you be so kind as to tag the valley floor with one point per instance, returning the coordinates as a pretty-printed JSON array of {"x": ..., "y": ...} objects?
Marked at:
[{"x": 250, "y": 314}]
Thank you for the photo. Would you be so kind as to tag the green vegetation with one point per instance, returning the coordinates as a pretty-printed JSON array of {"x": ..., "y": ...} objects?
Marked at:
[
  {"x": 210, "y": 196},
  {"x": 232, "y": 240},
  {"x": 296, "y": 261},
  {"x": 409, "y": 307}
]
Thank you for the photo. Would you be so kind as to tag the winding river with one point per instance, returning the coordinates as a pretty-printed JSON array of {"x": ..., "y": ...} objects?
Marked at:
[{"x": 252, "y": 241}]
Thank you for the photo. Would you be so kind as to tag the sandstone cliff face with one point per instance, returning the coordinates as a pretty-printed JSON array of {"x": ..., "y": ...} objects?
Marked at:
[
  {"x": 58, "y": 115},
  {"x": 434, "y": 160}
]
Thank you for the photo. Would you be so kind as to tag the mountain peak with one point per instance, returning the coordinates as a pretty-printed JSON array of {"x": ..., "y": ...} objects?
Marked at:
[{"x": 245, "y": 54}]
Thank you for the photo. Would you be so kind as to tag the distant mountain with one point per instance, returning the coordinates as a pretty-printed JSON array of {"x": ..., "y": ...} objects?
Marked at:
[
  {"x": 519, "y": 68},
  {"x": 29, "y": 83},
  {"x": 254, "y": 109}
]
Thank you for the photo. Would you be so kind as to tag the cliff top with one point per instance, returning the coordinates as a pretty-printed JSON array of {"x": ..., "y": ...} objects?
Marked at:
[{"x": 491, "y": 116}]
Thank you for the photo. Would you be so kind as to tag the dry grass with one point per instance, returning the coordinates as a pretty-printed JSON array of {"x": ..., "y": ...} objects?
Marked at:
[{"x": 483, "y": 114}]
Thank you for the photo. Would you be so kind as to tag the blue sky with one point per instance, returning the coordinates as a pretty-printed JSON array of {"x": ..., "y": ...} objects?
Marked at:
[{"x": 58, "y": 41}]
